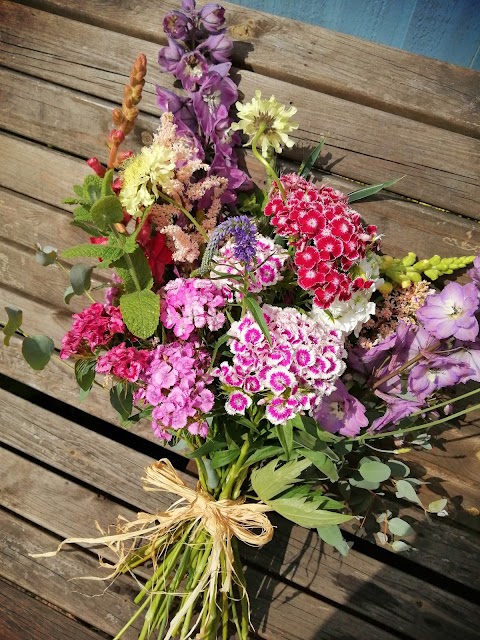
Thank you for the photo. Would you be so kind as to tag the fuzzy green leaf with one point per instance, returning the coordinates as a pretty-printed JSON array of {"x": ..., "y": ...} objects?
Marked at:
[
  {"x": 106, "y": 212},
  {"x": 142, "y": 271},
  {"x": 333, "y": 536},
  {"x": 82, "y": 214},
  {"x": 80, "y": 278},
  {"x": 37, "y": 351},
  {"x": 15, "y": 319},
  {"x": 306, "y": 166},
  {"x": 365, "y": 192},
  {"x": 107, "y": 184},
  {"x": 271, "y": 480},
  {"x": 257, "y": 313},
  {"x": 108, "y": 254},
  {"x": 141, "y": 312},
  {"x": 92, "y": 188}
]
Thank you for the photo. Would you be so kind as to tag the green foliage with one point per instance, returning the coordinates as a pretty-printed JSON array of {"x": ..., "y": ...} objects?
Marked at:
[
  {"x": 107, "y": 253},
  {"x": 308, "y": 164},
  {"x": 37, "y": 351},
  {"x": 272, "y": 479},
  {"x": 222, "y": 458},
  {"x": 92, "y": 188},
  {"x": 333, "y": 536},
  {"x": 406, "y": 490},
  {"x": 399, "y": 527},
  {"x": 141, "y": 312},
  {"x": 374, "y": 471},
  {"x": 366, "y": 192},
  {"x": 106, "y": 212},
  {"x": 285, "y": 436},
  {"x": 15, "y": 319},
  {"x": 140, "y": 265},
  {"x": 81, "y": 278},
  {"x": 45, "y": 255},
  {"x": 68, "y": 294},
  {"x": 85, "y": 373},
  {"x": 121, "y": 399},
  {"x": 257, "y": 313},
  {"x": 323, "y": 463},
  {"x": 437, "y": 506}
]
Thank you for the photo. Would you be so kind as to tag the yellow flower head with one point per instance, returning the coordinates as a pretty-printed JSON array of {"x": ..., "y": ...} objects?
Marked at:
[
  {"x": 144, "y": 176},
  {"x": 268, "y": 116}
]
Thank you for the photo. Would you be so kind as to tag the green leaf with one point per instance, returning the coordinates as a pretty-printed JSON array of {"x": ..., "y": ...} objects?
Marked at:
[
  {"x": 285, "y": 436},
  {"x": 82, "y": 214},
  {"x": 108, "y": 254},
  {"x": 106, "y": 212},
  {"x": 80, "y": 278},
  {"x": 333, "y": 536},
  {"x": 405, "y": 490},
  {"x": 141, "y": 312},
  {"x": 68, "y": 295},
  {"x": 92, "y": 188},
  {"x": 400, "y": 527},
  {"x": 365, "y": 192},
  {"x": 222, "y": 458},
  {"x": 257, "y": 313},
  {"x": 206, "y": 448},
  {"x": 269, "y": 481},
  {"x": 437, "y": 505},
  {"x": 107, "y": 184},
  {"x": 88, "y": 228},
  {"x": 131, "y": 241},
  {"x": 305, "y": 513},
  {"x": 121, "y": 398},
  {"x": 263, "y": 453},
  {"x": 398, "y": 546},
  {"x": 37, "y": 351},
  {"x": 323, "y": 463},
  {"x": 374, "y": 471},
  {"x": 14, "y": 322},
  {"x": 141, "y": 268},
  {"x": 398, "y": 469},
  {"x": 78, "y": 189},
  {"x": 307, "y": 165},
  {"x": 85, "y": 372},
  {"x": 363, "y": 484},
  {"x": 45, "y": 255},
  {"x": 217, "y": 346}
]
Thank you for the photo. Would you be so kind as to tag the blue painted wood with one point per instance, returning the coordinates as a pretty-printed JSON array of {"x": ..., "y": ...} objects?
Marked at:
[{"x": 445, "y": 29}]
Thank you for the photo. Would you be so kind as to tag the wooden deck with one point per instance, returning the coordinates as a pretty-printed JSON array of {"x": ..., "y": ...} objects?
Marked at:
[{"x": 385, "y": 113}]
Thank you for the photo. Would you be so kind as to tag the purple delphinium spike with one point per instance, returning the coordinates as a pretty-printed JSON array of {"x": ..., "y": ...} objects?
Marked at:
[
  {"x": 436, "y": 373},
  {"x": 212, "y": 17},
  {"x": 396, "y": 409},
  {"x": 341, "y": 412},
  {"x": 451, "y": 313}
]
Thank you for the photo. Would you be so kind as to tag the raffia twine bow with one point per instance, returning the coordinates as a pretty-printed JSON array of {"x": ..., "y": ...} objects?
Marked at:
[{"x": 221, "y": 519}]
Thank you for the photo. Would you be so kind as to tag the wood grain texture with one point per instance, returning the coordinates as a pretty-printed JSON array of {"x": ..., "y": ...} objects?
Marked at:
[
  {"x": 362, "y": 584},
  {"x": 23, "y": 617},
  {"x": 308, "y": 56},
  {"x": 357, "y": 144}
]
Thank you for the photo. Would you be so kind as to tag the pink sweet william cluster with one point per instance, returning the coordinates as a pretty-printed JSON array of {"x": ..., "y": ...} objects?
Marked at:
[
  {"x": 292, "y": 374},
  {"x": 328, "y": 236},
  {"x": 267, "y": 267},
  {"x": 126, "y": 363},
  {"x": 94, "y": 327},
  {"x": 193, "y": 303},
  {"x": 176, "y": 380}
]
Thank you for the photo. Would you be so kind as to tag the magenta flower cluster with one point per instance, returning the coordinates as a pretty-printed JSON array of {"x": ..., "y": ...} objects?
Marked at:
[
  {"x": 197, "y": 55},
  {"x": 292, "y": 374},
  {"x": 176, "y": 385},
  {"x": 193, "y": 303},
  {"x": 94, "y": 327},
  {"x": 126, "y": 363}
]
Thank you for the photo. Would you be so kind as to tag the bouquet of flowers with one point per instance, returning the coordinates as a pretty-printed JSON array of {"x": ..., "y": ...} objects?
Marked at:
[{"x": 264, "y": 332}]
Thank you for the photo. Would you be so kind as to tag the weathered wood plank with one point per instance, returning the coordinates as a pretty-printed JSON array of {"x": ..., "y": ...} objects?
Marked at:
[
  {"x": 382, "y": 593},
  {"x": 357, "y": 146},
  {"x": 26, "y": 618},
  {"x": 307, "y": 56}
]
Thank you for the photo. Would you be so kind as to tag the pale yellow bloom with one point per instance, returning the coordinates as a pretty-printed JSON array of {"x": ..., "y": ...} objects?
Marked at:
[
  {"x": 145, "y": 175},
  {"x": 269, "y": 115}
]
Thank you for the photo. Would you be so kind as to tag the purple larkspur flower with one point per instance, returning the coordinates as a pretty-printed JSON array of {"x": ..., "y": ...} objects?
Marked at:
[
  {"x": 436, "y": 373},
  {"x": 468, "y": 353},
  {"x": 213, "y": 99},
  {"x": 212, "y": 16},
  {"x": 340, "y": 412},
  {"x": 170, "y": 56},
  {"x": 451, "y": 312},
  {"x": 474, "y": 272},
  {"x": 395, "y": 410},
  {"x": 219, "y": 47},
  {"x": 191, "y": 69},
  {"x": 176, "y": 24}
]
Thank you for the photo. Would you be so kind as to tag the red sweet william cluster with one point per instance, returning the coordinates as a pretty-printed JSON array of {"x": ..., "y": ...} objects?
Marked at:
[{"x": 328, "y": 236}]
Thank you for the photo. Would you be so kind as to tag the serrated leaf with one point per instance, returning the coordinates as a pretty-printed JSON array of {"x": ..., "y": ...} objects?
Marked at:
[
  {"x": 45, "y": 255},
  {"x": 92, "y": 188},
  {"x": 257, "y": 313},
  {"x": 269, "y": 481},
  {"x": 374, "y": 471},
  {"x": 399, "y": 527},
  {"x": 333, "y": 536},
  {"x": 68, "y": 295},
  {"x": 121, "y": 399},
  {"x": 437, "y": 505},
  {"x": 88, "y": 228},
  {"x": 365, "y": 192},
  {"x": 85, "y": 373},
  {"x": 285, "y": 436},
  {"x": 107, "y": 184},
  {"x": 222, "y": 458},
  {"x": 323, "y": 463},
  {"x": 14, "y": 322},
  {"x": 141, "y": 312},
  {"x": 81, "y": 214},
  {"x": 37, "y": 351},
  {"x": 405, "y": 490},
  {"x": 106, "y": 211},
  {"x": 78, "y": 189},
  {"x": 80, "y": 278},
  {"x": 108, "y": 254},
  {"x": 141, "y": 268},
  {"x": 307, "y": 165}
]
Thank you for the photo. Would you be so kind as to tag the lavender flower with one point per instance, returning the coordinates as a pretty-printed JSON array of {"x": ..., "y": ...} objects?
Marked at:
[
  {"x": 243, "y": 232},
  {"x": 451, "y": 312},
  {"x": 396, "y": 409},
  {"x": 474, "y": 273},
  {"x": 212, "y": 16},
  {"x": 176, "y": 24},
  {"x": 436, "y": 373},
  {"x": 169, "y": 56},
  {"x": 341, "y": 412}
]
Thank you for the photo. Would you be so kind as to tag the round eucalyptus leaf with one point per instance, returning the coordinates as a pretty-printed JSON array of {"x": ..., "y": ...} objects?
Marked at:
[
  {"x": 400, "y": 527},
  {"x": 37, "y": 351},
  {"x": 374, "y": 471},
  {"x": 80, "y": 278}
]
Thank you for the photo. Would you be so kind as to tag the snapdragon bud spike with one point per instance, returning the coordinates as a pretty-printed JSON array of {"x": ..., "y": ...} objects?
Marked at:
[{"x": 99, "y": 169}]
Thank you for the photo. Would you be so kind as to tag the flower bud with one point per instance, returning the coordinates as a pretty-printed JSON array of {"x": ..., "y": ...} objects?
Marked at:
[
  {"x": 115, "y": 138},
  {"x": 176, "y": 24},
  {"x": 188, "y": 5},
  {"x": 169, "y": 56},
  {"x": 219, "y": 47},
  {"x": 212, "y": 16},
  {"x": 118, "y": 117},
  {"x": 124, "y": 155},
  {"x": 94, "y": 164}
]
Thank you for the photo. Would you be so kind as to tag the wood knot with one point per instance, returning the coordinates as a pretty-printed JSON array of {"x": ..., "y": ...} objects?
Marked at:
[{"x": 243, "y": 31}]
